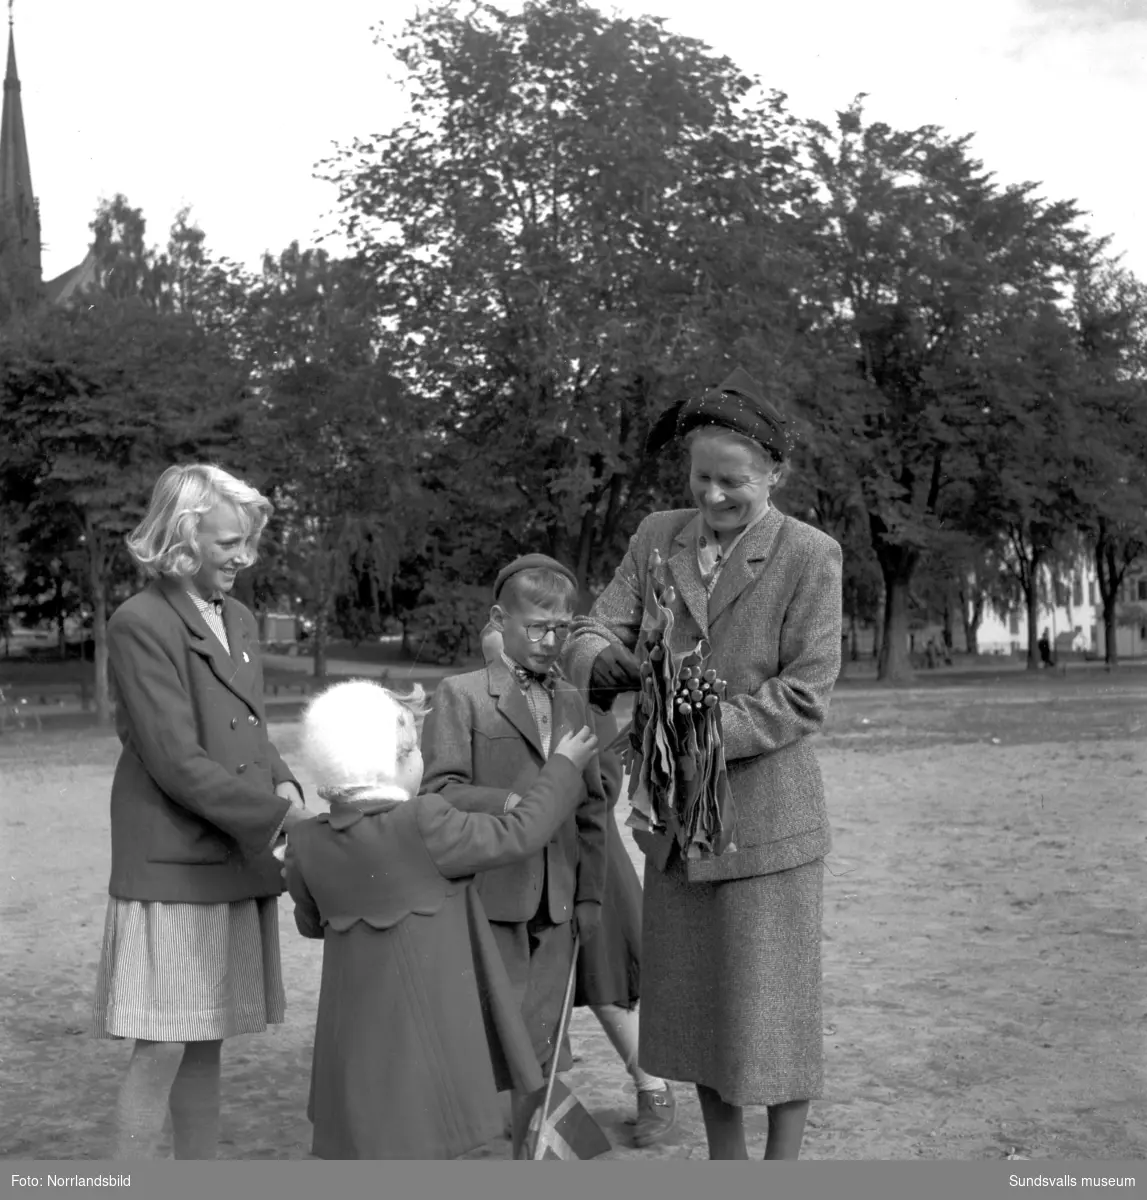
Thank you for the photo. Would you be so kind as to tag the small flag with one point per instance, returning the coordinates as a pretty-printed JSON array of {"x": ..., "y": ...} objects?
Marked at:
[{"x": 569, "y": 1132}]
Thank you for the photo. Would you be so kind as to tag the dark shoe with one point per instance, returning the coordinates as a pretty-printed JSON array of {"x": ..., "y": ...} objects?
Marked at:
[{"x": 656, "y": 1116}]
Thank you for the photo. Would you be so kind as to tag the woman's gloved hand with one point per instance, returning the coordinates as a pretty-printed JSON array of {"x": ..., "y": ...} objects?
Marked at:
[{"x": 614, "y": 671}]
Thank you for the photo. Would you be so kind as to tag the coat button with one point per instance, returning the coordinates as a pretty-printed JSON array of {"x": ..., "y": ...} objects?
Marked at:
[
  {"x": 252, "y": 720},
  {"x": 241, "y": 768},
  {"x": 234, "y": 723}
]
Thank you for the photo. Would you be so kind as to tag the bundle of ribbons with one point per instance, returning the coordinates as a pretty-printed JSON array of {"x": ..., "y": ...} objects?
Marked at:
[{"x": 678, "y": 783}]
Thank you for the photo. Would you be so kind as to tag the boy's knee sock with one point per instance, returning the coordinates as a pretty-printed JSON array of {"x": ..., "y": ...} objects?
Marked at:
[
  {"x": 621, "y": 1027},
  {"x": 195, "y": 1102},
  {"x": 141, "y": 1106}
]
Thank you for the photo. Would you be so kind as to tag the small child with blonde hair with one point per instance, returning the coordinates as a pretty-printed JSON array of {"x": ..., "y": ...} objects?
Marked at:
[{"x": 417, "y": 1027}]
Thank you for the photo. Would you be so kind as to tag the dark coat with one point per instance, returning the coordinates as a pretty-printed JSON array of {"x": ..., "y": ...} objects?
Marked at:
[
  {"x": 193, "y": 804},
  {"x": 773, "y": 624},
  {"x": 480, "y": 744},
  {"x": 609, "y": 965},
  {"x": 417, "y": 1026}
]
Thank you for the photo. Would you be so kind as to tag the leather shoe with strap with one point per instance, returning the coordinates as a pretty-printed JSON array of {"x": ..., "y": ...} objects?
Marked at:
[{"x": 656, "y": 1116}]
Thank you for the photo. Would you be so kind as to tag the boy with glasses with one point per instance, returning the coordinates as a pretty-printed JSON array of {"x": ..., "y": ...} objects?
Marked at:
[{"x": 486, "y": 739}]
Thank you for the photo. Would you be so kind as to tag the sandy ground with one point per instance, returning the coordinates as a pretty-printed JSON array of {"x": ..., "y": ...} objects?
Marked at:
[{"x": 983, "y": 948}]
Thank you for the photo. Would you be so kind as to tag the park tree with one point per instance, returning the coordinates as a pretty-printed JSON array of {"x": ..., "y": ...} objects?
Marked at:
[
  {"x": 1110, "y": 309},
  {"x": 582, "y": 220},
  {"x": 184, "y": 276},
  {"x": 982, "y": 583},
  {"x": 9, "y": 566},
  {"x": 126, "y": 267},
  {"x": 1028, "y": 486},
  {"x": 823, "y": 491},
  {"x": 95, "y": 401},
  {"x": 52, "y": 584},
  {"x": 209, "y": 288},
  {"x": 337, "y": 441},
  {"x": 923, "y": 264}
]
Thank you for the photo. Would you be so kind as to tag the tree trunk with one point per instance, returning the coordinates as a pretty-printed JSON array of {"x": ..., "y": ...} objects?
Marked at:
[
  {"x": 1109, "y": 581},
  {"x": 61, "y": 635},
  {"x": 584, "y": 552},
  {"x": 323, "y": 598},
  {"x": 1029, "y": 581},
  {"x": 894, "y": 665},
  {"x": 1110, "y": 649},
  {"x": 974, "y": 625},
  {"x": 322, "y": 626},
  {"x": 1031, "y": 598},
  {"x": 97, "y": 581},
  {"x": 971, "y": 613},
  {"x": 320, "y": 671}
]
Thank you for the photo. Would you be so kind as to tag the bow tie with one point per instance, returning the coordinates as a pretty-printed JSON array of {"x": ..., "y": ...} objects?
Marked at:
[{"x": 525, "y": 676}]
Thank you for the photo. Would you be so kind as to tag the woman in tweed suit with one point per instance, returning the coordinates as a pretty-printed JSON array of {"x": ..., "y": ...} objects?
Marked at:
[
  {"x": 200, "y": 796},
  {"x": 731, "y": 979}
]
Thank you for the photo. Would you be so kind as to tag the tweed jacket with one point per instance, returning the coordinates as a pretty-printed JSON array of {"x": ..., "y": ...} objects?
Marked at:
[
  {"x": 193, "y": 806},
  {"x": 773, "y": 625},
  {"x": 480, "y": 744}
]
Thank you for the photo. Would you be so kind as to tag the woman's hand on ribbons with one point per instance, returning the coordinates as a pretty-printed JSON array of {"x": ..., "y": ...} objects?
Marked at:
[{"x": 615, "y": 670}]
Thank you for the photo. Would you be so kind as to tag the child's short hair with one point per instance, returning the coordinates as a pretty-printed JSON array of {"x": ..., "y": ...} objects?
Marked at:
[
  {"x": 355, "y": 734},
  {"x": 542, "y": 586},
  {"x": 164, "y": 542}
]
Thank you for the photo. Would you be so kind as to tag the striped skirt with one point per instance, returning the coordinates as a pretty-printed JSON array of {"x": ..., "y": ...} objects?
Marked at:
[{"x": 189, "y": 972}]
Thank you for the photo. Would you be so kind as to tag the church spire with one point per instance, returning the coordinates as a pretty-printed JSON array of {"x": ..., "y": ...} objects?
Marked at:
[{"x": 19, "y": 217}]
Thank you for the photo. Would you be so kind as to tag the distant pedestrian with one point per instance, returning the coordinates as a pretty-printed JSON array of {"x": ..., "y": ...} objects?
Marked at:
[{"x": 1044, "y": 644}]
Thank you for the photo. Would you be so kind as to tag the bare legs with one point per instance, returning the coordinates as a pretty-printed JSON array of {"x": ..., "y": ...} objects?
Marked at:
[
  {"x": 621, "y": 1027},
  {"x": 184, "y": 1077},
  {"x": 786, "y": 1129},
  {"x": 725, "y": 1127},
  {"x": 195, "y": 1102}
]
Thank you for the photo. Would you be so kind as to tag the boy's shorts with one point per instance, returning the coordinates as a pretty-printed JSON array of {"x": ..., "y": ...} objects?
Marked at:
[{"x": 537, "y": 956}]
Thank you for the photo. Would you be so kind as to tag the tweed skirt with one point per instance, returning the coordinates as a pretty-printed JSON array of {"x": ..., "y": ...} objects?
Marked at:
[
  {"x": 189, "y": 972},
  {"x": 731, "y": 983}
]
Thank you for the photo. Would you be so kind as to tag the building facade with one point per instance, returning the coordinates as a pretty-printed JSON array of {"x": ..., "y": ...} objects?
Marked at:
[{"x": 1075, "y": 621}]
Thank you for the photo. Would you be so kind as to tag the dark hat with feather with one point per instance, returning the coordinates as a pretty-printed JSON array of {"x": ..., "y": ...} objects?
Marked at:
[{"x": 737, "y": 404}]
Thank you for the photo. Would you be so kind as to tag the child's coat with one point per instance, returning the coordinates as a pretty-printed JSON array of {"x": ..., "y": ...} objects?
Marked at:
[{"x": 417, "y": 1029}]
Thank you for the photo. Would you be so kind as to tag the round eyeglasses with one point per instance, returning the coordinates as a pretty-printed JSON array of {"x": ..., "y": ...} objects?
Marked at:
[{"x": 537, "y": 632}]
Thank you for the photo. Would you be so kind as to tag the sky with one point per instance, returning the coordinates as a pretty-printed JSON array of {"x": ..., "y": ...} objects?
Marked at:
[{"x": 227, "y": 105}]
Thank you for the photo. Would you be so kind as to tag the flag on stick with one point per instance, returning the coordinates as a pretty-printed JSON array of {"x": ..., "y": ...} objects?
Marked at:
[
  {"x": 560, "y": 1127},
  {"x": 569, "y": 1132}
]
